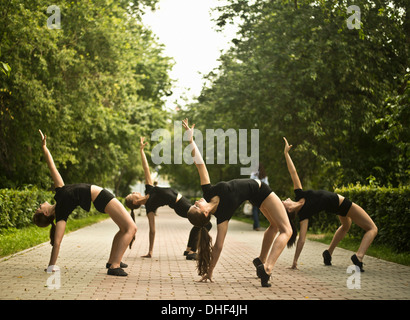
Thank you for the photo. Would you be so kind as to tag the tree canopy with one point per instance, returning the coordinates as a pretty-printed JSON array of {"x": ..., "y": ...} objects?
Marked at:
[
  {"x": 93, "y": 86},
  {"x": 340, "y": 95}
]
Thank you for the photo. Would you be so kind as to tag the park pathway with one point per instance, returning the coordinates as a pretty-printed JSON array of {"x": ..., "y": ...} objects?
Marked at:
[{"x": 169, "y": 276}]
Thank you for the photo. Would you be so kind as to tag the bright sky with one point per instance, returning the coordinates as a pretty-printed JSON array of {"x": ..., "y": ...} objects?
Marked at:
[{"x": 189, "y": 36}]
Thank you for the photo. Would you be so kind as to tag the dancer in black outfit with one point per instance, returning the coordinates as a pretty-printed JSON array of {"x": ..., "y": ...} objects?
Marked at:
[
  {"x": 68, "y": 197},
  {"x": 221, "y": 200},
  {"x": 156, "y": 197},
  {"x": 310, "y": 202}
]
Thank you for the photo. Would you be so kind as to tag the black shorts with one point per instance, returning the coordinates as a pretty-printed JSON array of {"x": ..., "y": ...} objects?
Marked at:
[
  {"x": 344, "y": 207},
  {"x": 102, "y": 200},
  {"x": 261, "y": 195}
]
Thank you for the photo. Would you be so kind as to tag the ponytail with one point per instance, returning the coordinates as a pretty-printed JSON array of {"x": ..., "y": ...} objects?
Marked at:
[
  {"x": 133, "y": 219},
  {"x": 204, "y": 251},
  {"x": 292, "y": 218},
  {"x": 198, "y": 219}
]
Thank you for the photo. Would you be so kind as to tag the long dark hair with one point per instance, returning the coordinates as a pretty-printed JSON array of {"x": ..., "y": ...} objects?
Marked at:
[
  {"x": 261, "y": 172},
  {"x": 42, "y": 221},
  {"x": 132, "y": 206},
  {"x": 292, "y": 220},
  {"x": 198, "y": 219}
]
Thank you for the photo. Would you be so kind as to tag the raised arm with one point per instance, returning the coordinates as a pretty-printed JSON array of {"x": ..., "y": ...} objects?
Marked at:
[
  {"x": 58, "y": 181},
  {"x": 291, "y": 167},
  {"x": 198, "y": 160},
  {"x": 145, "y": 165}
]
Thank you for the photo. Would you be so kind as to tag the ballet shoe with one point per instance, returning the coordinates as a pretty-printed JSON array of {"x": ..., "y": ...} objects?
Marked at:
[
  {"x": 257, "y": 262},
  {"x": 356, "y": 261},
  {"x": 327, "y": 258},
  {"x": 192, "y": 256},
  {"x": 263, "y": 276},
  {"x": 117, "y": 272}
]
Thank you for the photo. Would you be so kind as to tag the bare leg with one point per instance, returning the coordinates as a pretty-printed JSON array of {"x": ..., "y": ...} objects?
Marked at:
[
  {"x": 151, "y": 222},
  {"x": 340, "y": 233},
  {"x": 114, "y": 247},
  {"x": 362, "y": 219},
  {"x": 267, "y": 241},
  {"x": 124, "y": 236},
  {"x": 273, "y": 209}
]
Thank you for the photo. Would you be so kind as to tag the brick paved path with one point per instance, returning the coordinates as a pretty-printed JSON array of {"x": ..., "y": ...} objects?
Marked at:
[{"x": 168, "y": 275}]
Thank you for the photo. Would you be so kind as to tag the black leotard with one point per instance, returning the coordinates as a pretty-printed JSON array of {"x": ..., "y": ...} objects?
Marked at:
[
  {"x": 233, "y": 193},
  {"x": 320, "y": 200},
  {"x": 69, "y": 196},
  {"x": 160, "y": 196}
]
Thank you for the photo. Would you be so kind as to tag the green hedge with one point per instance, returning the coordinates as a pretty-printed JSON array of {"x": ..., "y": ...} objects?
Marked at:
[
  {"x": 17, "y": 207},
  {"x": 388, "y": 207}
]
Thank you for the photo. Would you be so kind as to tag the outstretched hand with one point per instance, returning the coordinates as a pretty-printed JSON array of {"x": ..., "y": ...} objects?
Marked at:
[
  {"x": 205, "y": 278},
  {"x": 190, "y": 130},
  {"x": 58, "y": 181},
  {"x": 287, "y": 146},
  {"x": 142, "y": 144},
  {"x": 293, "y": 267},
  {"x": 43, "y": 139}
]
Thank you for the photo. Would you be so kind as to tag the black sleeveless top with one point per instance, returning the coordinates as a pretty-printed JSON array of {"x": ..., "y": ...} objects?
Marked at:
[
  {"x": 316, "y": 201},
  {"x": 160, "y": 196},
  {"x": 69, "y": 196},
  {"x": 232, "y": 194}
]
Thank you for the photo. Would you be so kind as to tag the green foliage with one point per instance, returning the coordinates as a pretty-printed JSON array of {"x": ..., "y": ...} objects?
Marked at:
[
  {"x": 389, "y": 208},
  {"x": 340, "y": 96},
  {"x": 93, "y": 87},
  {"x": 17, "y": 207}
]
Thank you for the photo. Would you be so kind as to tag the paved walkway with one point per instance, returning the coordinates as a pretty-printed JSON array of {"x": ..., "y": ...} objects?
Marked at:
[{"x": 168, "y": 275}]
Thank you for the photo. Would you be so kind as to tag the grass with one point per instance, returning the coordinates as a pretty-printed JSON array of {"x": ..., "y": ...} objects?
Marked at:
[
  {"x": 14, "y": 240},
  {"x": 349, "y": 243}
]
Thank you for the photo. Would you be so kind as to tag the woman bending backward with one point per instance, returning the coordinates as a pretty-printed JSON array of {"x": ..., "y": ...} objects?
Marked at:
[
  {"x": 156, "y": 197},
  {"x": 310, "y": 202},
  {"x": 221, "y": 200},
  {"x": 68, "y": 197}
]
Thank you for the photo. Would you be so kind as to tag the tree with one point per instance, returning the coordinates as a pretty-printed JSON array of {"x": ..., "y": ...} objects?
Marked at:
[
  {"x": 296, "y": 70},
  {"x": 92, "y": 86}
]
